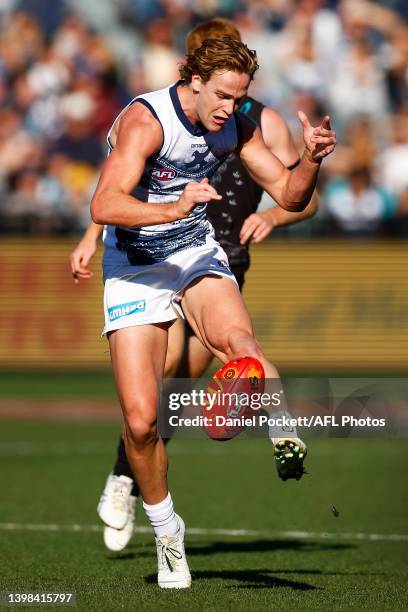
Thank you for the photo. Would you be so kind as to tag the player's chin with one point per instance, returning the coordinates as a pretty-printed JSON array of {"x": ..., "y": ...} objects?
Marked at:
[
  {"x": 215, "y": 125},
  {"x": 214, "y": 128}
]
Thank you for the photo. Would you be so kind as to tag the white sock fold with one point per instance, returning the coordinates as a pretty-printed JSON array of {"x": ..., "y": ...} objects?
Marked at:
[{"x": 162, "y": 517}]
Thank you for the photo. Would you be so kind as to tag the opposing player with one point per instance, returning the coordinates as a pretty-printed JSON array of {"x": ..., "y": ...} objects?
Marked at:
[
  {"x": 161, "y": 259},
  {"x": 236, "y": 224}
]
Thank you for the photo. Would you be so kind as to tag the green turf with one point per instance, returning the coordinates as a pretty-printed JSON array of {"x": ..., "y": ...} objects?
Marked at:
[
  {"x": 53, "y": 473},
  {"x": 45, "y": 383}
]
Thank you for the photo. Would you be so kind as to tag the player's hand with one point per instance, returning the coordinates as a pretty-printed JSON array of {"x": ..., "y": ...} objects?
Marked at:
[
  {"x": 80, "y": 258},
  {"x": 195, "y": 193},
  {"x": 320, "y": 141},
  {"x": 256, "y": 228}
]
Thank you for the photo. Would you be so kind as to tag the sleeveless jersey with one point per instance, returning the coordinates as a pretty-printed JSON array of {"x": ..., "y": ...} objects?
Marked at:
[
  {"x": 188, "y": 153},
  {"x": 240, "y": 198}
]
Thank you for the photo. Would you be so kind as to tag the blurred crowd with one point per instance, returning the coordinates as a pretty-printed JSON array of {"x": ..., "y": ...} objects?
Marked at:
[{"x": 67, "y": 67}]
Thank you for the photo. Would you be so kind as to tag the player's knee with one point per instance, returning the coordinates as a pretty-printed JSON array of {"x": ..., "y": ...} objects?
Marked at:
[
  {"x": 141, "y": 431},
  {"x": 243, "y": 344},
  {"x": 141, "y": 419}
]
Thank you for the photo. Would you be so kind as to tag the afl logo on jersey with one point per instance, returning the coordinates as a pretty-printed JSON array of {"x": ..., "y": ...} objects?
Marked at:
[{"x": 164, "y": 175}]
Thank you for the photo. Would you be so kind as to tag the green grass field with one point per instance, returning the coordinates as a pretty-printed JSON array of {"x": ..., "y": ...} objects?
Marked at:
[{"x": 52, "y": 474}]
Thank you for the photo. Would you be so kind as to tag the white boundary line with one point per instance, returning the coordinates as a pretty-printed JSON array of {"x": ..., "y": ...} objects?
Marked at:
[{"x": 302, "y": 535}]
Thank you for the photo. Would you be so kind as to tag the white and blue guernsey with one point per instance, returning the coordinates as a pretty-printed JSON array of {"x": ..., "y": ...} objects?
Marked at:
[{"x": 188, "y": 153}]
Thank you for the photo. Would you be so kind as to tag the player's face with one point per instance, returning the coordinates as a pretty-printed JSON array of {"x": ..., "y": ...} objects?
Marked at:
[{"x": 219, "y": 97}]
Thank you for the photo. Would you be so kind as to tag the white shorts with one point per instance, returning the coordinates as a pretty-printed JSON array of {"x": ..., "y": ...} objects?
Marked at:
[{"x": 138, "y": 295}]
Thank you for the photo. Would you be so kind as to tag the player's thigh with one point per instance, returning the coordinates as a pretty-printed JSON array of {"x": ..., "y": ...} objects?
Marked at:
[
  {"x": 175, "y": 348},
  {"x": 215, "y": 309},
  {"x": 138, "y": 355}
]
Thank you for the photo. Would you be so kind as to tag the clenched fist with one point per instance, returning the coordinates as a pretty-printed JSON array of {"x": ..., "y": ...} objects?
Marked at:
[{"x": 195, "y": 193}]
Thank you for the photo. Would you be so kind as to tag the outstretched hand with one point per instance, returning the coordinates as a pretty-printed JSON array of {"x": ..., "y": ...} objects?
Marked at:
[{"x": 321, "y": 140}]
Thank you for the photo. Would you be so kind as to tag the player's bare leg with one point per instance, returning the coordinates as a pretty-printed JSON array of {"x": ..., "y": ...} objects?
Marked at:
[
  {"x": 138, "y": 357},
  {"x": 186, "y": 357},
  {"x": 227, "y": 332}
]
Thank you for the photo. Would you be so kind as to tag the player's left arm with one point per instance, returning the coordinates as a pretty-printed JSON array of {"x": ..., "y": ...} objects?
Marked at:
[
  {"x": 292, "y": 190},
  {"x": 279, "y": 141}
]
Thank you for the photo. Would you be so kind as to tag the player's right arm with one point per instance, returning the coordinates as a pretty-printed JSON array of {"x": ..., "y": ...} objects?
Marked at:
[{"x": 138, "y": 137}]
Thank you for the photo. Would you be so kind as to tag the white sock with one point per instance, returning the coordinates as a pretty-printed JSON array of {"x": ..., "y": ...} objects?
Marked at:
[
  {"x": 277, "y": 432},
  {"x": 278, "y": 411},
  {"x": 162, "y": 517}
]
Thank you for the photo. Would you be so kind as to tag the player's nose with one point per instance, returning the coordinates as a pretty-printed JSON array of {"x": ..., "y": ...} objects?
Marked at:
[{"x": 228, "y": 107}]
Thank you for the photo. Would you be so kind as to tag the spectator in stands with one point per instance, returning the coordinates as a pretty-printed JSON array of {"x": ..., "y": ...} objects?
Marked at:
[{"x": 357, "y": 206}]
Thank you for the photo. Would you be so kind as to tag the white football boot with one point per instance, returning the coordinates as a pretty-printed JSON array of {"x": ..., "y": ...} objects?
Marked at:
[
  {"x": 118, "y": 539},
  {"x": 173, "y": 572},
  {"x": 113, "y": 507}
]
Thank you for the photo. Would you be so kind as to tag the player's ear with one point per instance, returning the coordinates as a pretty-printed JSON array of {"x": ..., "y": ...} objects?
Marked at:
[{"x": 196, "y": 83}]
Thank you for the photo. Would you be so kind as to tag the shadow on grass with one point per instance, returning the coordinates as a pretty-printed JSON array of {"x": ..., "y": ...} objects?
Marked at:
[
  {"x": 317, "y": 572},
  {"x": 264, "y": 546},
  {"x": 265, "y": 578},
  {"x": 129, "y": 556},
  {"x": 253, "y": 579}
]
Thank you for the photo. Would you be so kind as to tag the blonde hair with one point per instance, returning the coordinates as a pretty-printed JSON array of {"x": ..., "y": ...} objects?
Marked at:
[
  {"x": 214, "y": 28},
  {"x": 219, "y": 54}
]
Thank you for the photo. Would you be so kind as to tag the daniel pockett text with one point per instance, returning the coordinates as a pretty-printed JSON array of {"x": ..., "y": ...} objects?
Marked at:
[{"x": 282, "y": 422}]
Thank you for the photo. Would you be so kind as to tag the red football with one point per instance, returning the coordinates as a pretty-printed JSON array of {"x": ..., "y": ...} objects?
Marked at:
[{"x": 232, "y": 385}]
